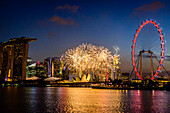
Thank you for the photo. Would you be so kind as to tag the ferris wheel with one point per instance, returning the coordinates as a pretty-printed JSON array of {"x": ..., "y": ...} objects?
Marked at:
[{"x": 138, "y": 53}]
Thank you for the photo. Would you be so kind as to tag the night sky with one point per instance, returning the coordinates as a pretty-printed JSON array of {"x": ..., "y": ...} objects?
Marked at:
[{"x": 59, "y": 25}]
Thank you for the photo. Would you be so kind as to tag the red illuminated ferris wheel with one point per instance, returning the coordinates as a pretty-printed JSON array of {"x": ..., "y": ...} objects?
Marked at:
[{"x": 162, "y": 50}]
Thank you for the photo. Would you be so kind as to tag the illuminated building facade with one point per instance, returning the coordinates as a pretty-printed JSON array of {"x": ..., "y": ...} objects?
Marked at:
[
  {"x": 39, "y": 69},
  {"x": 31, "y": 68},
  {"x": 116, "y": 62},
  {"x": 52, "y": 66},
  {"x": 35, "y": 68},
  {"x": 1, "y": 58},
  {"x": 14, "y": 58}
]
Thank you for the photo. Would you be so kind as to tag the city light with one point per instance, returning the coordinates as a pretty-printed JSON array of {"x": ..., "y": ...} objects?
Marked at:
[{"x": 64, "y": 56}]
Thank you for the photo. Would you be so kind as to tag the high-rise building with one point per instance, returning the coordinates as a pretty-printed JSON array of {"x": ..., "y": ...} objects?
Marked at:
[
  {"x": 52, "y": 66},
  {"x": 31, "y": 68},
  {"x": 35, "y": 69},
  {"x": 13, "y": 58},
  {"x": 40, "y": 69},
  {"x": 47, "y": 67}
]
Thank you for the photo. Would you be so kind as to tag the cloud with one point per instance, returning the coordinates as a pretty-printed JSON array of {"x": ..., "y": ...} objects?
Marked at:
[
  {"x": 51, "y": 34},
  {"x": 68, "y": 7},
  {"x": 62, "y": 21},
  {"x": 149, "y": 7}
]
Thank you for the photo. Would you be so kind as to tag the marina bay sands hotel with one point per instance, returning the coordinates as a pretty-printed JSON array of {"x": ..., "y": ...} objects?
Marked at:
[{"x": 13, "y": 59}]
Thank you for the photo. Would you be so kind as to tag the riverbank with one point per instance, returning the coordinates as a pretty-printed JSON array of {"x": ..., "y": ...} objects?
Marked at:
[
  {"x": 112, "y": 88},
  {"x": 90, "y": 85}
]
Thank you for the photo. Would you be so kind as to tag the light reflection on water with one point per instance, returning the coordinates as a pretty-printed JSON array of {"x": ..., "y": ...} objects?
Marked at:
[{"x": 54, "y": 99}]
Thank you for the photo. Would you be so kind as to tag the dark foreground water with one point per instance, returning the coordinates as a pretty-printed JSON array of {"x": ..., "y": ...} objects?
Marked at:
[{"x": 77, "y": 100}]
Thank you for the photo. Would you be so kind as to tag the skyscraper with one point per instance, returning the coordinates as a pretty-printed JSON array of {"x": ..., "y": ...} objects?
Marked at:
[
  {"x": 52, "y": 66},
  {"x": 13, "y": 58},
  {"x": 1, "y": 57},
  {"x": 31, "y": 68}
]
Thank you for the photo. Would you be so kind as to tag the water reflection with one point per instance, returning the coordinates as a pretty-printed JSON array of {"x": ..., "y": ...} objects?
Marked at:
[{"x": 54, "y": 99}]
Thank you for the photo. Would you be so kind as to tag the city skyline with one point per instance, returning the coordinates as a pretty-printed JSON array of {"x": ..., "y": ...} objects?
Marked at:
[{"x": 62, "y": 25}]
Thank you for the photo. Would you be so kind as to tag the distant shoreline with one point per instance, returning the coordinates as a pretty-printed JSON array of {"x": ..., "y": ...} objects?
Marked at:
[{"x": 92, "y": 87}]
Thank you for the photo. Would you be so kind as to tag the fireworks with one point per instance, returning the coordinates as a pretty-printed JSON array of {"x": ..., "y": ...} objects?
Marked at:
[{"x": 87, "y": 58}]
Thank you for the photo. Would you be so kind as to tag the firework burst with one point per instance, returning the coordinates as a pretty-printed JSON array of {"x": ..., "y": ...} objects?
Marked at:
[{"x": 87, "y": 58}]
